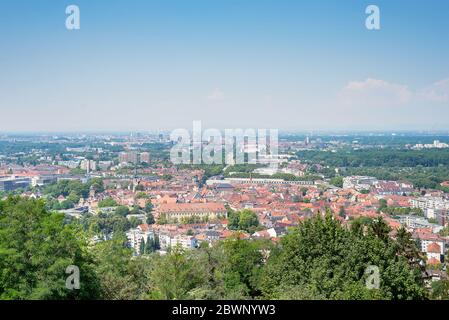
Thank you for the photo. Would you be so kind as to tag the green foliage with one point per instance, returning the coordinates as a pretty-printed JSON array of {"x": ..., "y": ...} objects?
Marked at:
[
  {"x": 105, "y": 224},
  {"x": 150, "y": 218},
  {"x": 228, "y": 270},
  {"x": 382, "y": 205},
  {"x": 342, "y": 212},
  {"x": 107, "y": 202},
  {"x": 167, "y": 177},
  {"x": 445, "y": 189},
  {"x": 395, "y": 211},
  {"x": 66, "y": 187},
  {"x": 121, "y": 278},
  {"x": 162, "y": 219},
  {"x": 134, "y": 222},
  {"x": 148, "y": 207},
  {"x": 245, "y": 220},
  {"x": 423, "y": 168},
  {"x": 122, "y": 211},
  {"x": 387, "y": 157},
  {"x": 141, "y": 195},
  {"x": 150, "y": 245},
  {"x": 36, "y": 247},
  {"x": 175, "y": 275},
  {"x": 445, "y": 231},
  {"x": 142, "y": 247},
  {"x": 157, "y": 244},
  {"x": 96, "y": 184},
  {"x": 136, "y": 210},
  {"x": 322, "y": 260},
  {"x": 440, "y": 290},
  {"x": 337, "y": 181}
]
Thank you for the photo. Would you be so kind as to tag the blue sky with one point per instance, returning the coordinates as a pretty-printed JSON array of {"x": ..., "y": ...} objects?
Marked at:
[{"x": 286, "y": 64}]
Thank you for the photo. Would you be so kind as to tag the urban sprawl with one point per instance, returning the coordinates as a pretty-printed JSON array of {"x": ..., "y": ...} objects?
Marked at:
[{"x": 126, "y": 184}]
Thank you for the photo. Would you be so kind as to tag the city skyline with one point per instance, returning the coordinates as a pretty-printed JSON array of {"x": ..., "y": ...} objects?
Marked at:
[{"x": 141, "y": 66}]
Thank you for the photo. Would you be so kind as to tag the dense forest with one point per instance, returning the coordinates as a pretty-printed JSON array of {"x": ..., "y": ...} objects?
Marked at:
[
  {"x": 320, "y": 259},
  {"x": 378, "y": 157},
  {"x": 423, "y": 168}
]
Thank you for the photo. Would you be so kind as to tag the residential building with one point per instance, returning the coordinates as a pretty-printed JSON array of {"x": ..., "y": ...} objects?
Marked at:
[
  {"x": 88, "y": 165},
  {"x": 430, "y": 205},
  {"x": 128, "y": 157},
  {"x": 145, "y": 157},
  {"x": 359, "y": 182},
  {"x": 185, "y": 210}
]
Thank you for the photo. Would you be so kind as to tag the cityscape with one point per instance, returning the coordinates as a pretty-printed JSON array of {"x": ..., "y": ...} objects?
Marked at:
[
  {"x": 220, "y": 158},
  {"x": 123, "y": 191}
]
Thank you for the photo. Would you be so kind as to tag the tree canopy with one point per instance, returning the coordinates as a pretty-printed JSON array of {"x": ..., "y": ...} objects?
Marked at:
[{"x": 319, "y": 259}]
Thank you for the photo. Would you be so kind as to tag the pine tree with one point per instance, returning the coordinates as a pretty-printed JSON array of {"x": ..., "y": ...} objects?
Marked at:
[
  {"x": 142, "y": 247},
  {"x": 157, "y": 244},
  {"x": 149, "y": 245}
]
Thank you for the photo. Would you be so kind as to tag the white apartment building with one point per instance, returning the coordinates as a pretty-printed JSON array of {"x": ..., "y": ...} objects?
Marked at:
[
  {"x": 136, "y": 236},
  {"x": 436, "y": 144},
  {"x": 88, "y": 165},
  {"x": 168, "y": 240},
  {"x": 71, "y": 164},
  {"x": 430, "y": 205},
  {"x": 414, "y": 222},
  {"x": 359, "y": 182}
]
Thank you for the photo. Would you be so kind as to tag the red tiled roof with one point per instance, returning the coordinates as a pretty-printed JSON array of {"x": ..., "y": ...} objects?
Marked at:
[{"x": 434, "y": 248}]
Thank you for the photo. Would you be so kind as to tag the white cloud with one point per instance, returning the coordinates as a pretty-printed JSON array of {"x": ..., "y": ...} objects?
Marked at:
[
  {"x": 375, "y": 92},
  {"x": 437, "y": 92},
  {"x": 216, "y": 95}
]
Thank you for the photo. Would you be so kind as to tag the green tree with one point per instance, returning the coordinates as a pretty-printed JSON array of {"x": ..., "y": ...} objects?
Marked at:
[
  {"x": 157, "y": 244},
  {"x": 148, "y": 207},
  {"x": 36, "y": 247},
  {"x": 245, "y": 220},
  {"x": 382, "y": 205},
  {"x": 150, "y": 218},
  {"x": 149, "y": 245},
  {"x": 323, "y": 260},
  {"x": 107, "y": 202},
  {"x": 337, "y": 181},
  {"x": 342, "y": 212},
  {"x": 134, "y": 222},
  {"x": 248, "y": 221},
  {"x": 407, "y": 247},
  {"x": 175, "y": 275},
  {"x": 96, "y": 184},
  {"x": 380, "y": 229},
  {"x": 121, "y": 277},
  {"x": 440, "y": 290},
  {"x": 142, "y": 247},
  {"x": 122, "y": 211}
]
